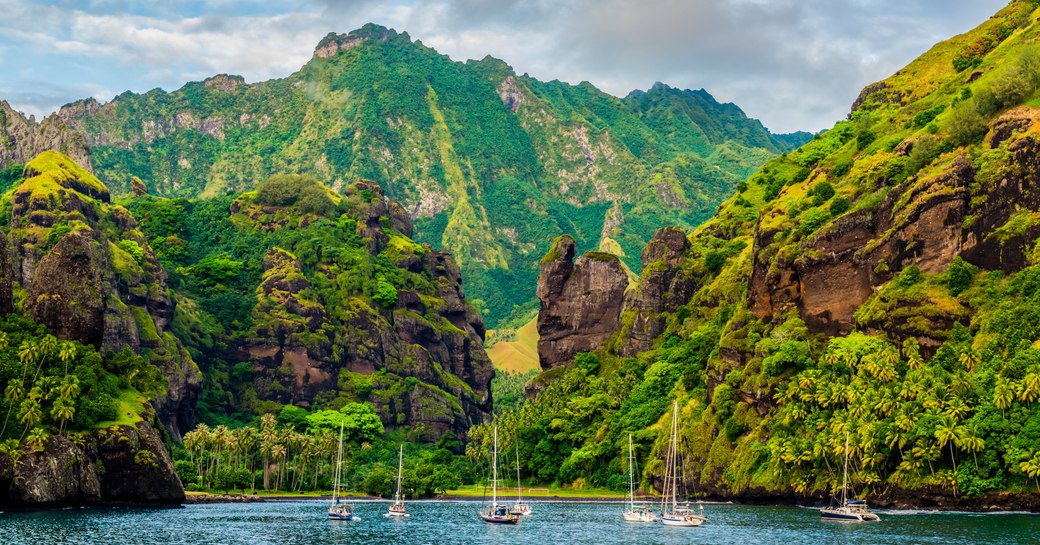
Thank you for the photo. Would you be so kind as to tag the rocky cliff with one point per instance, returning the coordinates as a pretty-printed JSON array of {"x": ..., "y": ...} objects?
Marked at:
[
  {"x": 22, "y": 139},
  {"x": 581, "y": 302},
  {"x": 115, "y": 465},
  {"x": 369, "y": 316},
  {"x": 90, "y": 275}
]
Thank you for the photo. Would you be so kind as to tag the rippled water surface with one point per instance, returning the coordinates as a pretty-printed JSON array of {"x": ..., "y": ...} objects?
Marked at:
[{"x": 457, "y": 522}]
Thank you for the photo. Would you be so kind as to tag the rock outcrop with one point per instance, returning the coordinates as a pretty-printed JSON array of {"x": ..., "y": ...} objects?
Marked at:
[
  {"x": 418, "y": 360},
  {"x": 925, "y": 222},
  {"x": 119, "y": 464},
  {"x": 664, "y": 286},
  {"x": 91, "y": 276},
  {"x": 581, "y": 302},
  {"x": 23, "y": 138}
]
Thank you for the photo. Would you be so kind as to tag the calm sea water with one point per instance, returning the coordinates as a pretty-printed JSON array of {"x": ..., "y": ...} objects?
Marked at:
[{"x": 437, "y": 522}]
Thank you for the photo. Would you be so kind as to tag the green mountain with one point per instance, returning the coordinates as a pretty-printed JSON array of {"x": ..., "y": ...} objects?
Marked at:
[
  {"x": 120, "y": 318},
  {"x": 491, "y": 165},
  {"x": 879, "y": 283}
]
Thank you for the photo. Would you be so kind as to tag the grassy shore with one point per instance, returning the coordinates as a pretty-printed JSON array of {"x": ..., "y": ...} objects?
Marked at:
[{"x": 536, "y": 493}]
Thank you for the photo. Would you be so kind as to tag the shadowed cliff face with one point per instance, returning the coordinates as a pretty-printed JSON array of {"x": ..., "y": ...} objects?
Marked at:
[
  {"x": 581, "y": 302},
  {"x": 120, "y": 464}
]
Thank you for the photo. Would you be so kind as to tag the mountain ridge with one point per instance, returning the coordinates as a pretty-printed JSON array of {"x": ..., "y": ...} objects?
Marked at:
[{"x": 467, "y": 147}]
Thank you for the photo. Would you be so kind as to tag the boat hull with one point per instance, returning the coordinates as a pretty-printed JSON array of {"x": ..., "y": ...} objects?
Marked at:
[
  {"x": 343, "y": 517},
  {"x": 840, "y": 515},
  {"x": 490, "y": 519},
  {"x": 396, "y": 515},
  {"x": 633, "y": 516},
  {"x": 683, "y": 520}
]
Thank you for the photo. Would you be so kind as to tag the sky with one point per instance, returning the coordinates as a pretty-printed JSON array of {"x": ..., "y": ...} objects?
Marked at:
[{"x": 794, "y": 64}]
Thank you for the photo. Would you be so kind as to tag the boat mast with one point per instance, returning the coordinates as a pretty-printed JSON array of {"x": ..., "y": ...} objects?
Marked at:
[
  {"x": 400, "y": 466},
  {"x": 845, "y": 474},
  {"x": 518, "y": 499},
  {"x": 675, "y": 453},
  {"x": 339, "y": 466},
  {"x": 631, "y": 476},
  {"x": 494, "y": 471}
]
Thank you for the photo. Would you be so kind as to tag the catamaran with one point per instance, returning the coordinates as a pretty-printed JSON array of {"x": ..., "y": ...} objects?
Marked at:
[
  {"x": 674, "y": 512},
  {"x": 340, "y": 510},
  {"x": 521, "y": 507},
  {"x": 849, "y": 510},
  {"x": 497, "y": 514},
  {"x": 397, "y": 509},
  {"x": 635, "y": 512}
]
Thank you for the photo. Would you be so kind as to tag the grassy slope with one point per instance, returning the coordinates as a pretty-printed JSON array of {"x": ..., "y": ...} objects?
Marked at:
[{"x": 519, "y": 355}]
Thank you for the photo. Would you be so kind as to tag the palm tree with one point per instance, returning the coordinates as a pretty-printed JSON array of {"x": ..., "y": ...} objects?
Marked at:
[
  {"x": 946, "y": 433},
  {"x": 1031, "y": 386},
  {"x": 29, "y": 412},
  {"x": 63, "y": 411},
  {"x": 12, "y": 395},
  {"x": 66, "y": 353},
  {"x": 970, "y": 441},
  {"x": 1031, "y": 467},
  {"x": 1003, "y": 394}
]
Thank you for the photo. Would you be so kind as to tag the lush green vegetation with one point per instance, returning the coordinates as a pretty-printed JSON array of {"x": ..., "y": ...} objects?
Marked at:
[
  {"x": 936, "y": 388},
  {"x": 296, "y": 452},
  {"x": 62, "y": 387}
]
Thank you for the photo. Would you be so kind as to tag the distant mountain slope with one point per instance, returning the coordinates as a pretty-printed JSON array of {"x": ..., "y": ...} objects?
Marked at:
[{"x": 491, "y": 165}]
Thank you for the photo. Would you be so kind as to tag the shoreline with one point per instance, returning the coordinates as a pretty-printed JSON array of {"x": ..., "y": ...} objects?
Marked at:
[{"x": 990, "y": 503}]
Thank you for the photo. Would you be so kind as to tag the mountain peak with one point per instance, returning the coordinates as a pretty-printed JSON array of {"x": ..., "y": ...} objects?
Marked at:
[{"x": 333, "y": 43}]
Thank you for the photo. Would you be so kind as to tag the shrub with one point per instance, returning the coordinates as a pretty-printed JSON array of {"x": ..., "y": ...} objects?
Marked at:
[
  {"x": 965, "y": 125},
  {"x": 714, "y": 261},
  {"x": 588, "y": 362},
  {"x": 386, "y": 294},
  {"x": 813, "y": 219},
  {"x": 839, "y": 206},
  {"x": 959, "y": 275},
  {"x": 841, "y": 168}
]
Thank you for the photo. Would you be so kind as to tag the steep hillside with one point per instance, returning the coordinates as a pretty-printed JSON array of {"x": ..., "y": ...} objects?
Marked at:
[
  {"x": 878, "y": 283},
  {"x": 88, "y": 363},
  {"x": 467, "y": 148},
  {"x": 295, "y": 295}
]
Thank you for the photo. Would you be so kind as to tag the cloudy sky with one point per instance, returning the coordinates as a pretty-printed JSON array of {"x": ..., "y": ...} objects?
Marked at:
[{"x": 794, "y": 64}]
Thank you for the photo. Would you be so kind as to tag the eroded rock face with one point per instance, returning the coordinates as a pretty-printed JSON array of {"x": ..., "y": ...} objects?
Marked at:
[
  {"x": 86, "y": 285},
  {"x": 299, "y": 353},
  {"x": 924, "y": 222},
  {"x": 23, "y": 138},
  {"x": 120, "y": 464},
  {"x": 664, "y": 286},
  {"x": 581, "y": 302},
  {"x": 67, "y": 293}
]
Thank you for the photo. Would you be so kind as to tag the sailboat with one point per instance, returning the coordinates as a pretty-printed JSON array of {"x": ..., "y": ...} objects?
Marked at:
[
  {"x": 521, "y": 507},
  {"x": 339, "y": 510},
  {"x": 497, "y": 514},
  {"x": 674, "y": 512},
  {"x": 849, "y": 510},
  {"x": 397, "y": 509},
  {"x": 635, "y": 512}
]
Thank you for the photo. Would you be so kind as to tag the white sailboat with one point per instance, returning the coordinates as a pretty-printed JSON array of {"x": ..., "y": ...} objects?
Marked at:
[
  {"x": 849, "y": 510},
  {"x": 635, "y": 512},
  {"x": 497, "y": 514},
  {"x": 397, "y": 508},
  {"x": 674, "y": 512},
  {"x": 340, "y": 510},
  {"x": 521, "y": 507}
]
